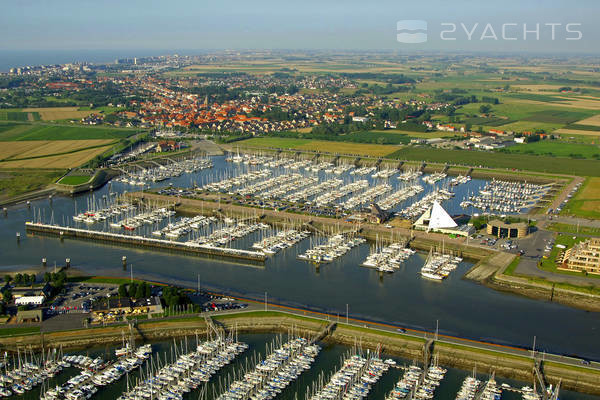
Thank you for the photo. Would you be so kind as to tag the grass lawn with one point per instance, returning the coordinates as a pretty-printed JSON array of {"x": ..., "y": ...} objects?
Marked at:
[
  {"x": 18, "y": 132},
  {"x": 74, "y": 180},
  {"x": 510, "y": 270},
  {"x": 557, "y": 148},
  {"x": 19, "y": 331},
  {"x": 586, "y": 202}
]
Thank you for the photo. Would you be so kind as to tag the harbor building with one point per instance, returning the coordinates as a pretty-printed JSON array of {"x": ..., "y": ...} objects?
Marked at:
[
  {"x": 503, "y": 229},
  {"x": 436, "y": 219},
  {"x": 584, "y": 256}
]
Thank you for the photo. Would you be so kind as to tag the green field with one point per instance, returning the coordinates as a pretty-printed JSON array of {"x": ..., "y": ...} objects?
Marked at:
[
  {"x": 557, "y": 116},
  {"x": 19, "y": 331},
  {"x": 514, "y": 115},
  {"x": 19, "y": 181},
  {"x": 13, "y": 116},
  {"x": 579, "y": 127},
  {"x": 536, "y": 97},
  {"x": 556, "y": 148},
  {"x": 586, "y": 202},
  {"x": 17, "y": 132},
  {"x": 500, "y": 160},
  {"x": 74, "y": 180}
]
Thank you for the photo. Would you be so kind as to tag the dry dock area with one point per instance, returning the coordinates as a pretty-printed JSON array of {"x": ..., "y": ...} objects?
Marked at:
[{"x": 142, "y": 241}]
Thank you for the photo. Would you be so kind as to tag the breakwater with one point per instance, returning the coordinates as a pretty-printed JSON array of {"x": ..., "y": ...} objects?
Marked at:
[{"x": 141, "y": 241}]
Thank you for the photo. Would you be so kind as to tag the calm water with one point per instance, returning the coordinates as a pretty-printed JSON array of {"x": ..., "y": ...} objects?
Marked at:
[
  {"x": 21, "y": 58},
  {"x": 328, "y": 360},
  {"x": 462, "y": 307}
]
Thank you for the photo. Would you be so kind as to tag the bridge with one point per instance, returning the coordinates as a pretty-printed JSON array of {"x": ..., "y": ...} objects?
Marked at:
[{"x": 324, "y": 333}]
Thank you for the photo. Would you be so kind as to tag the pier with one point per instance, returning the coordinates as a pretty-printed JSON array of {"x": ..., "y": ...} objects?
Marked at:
[{"x": 136, "y": 240}]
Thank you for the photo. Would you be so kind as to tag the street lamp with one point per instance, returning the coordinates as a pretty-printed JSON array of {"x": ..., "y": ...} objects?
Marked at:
[{"x": 346, "y": 313}]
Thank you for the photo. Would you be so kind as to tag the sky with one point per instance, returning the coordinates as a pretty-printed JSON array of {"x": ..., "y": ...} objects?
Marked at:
[{"x": 301, "y": 24}]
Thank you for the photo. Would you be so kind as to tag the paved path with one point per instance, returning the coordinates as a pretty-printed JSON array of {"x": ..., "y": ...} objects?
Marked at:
[
  {"x": 563, "y": 219},
  {"x": 565, "y": 192}
]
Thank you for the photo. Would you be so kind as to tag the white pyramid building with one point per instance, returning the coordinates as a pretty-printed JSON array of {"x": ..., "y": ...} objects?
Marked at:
[{"x": 435, "y": 218}]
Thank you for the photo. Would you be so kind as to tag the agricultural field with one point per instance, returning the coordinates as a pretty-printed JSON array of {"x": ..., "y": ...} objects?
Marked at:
[
  {"x": 411, "y": 135},
  {"x": 42, "y": 148},
  {"x": 374, "y": 150},
  {"x": 58, "y": 113},
  {"x": 591, "y": 121},
  {"x": 586, "y": 202},
  {"x": 63, "y": 161},
  {"x": 524, "y": 162},
  {"x": 11, "y": 131},
  {"x": 567, "y": 132},
  {"x": 18, "y": 115},
  {"x": 557, "y": 148}
]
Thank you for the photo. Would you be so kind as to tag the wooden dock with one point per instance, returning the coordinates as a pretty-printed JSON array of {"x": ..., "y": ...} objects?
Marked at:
[{"x": 142, "y": 241}]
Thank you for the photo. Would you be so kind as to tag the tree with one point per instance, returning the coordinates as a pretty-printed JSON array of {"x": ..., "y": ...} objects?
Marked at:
[
  {"x": 139, "y": 292},
  {"x": 147, "y": 290},
  {"x": 122, "y": 290},
  {"x": 18, "y": 279},
  {"x": 132, "y": 289},
  {"x": 2, "y": 308},
  {"x": 47, "y": 277},
  {"x": 32, "y": 278},
  {"x": 468, "y": 127},
  {"x": 7, "y": 295},
  {"x": 485, "y": 108},
  {"x": 7, "y": 278}
]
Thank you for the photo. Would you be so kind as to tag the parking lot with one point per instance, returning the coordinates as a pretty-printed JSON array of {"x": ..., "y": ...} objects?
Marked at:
[{"x": 77, "y": 297}]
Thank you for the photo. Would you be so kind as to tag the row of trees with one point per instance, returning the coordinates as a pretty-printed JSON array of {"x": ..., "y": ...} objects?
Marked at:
[
  {"x": 20, "y": 279},
  {"x": 135, "y": 290}
]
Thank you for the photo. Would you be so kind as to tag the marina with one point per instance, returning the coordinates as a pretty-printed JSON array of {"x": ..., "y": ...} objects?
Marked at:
[
  {"x": 388, "y": 258},
  {"x": 283, "y": 274},
  {"x": 264, "y": 366},
  {"x": 507, "y": 197},
  {"x": 354, "y": 378},
  {"x": 187, "y": 372},
  {"x": 282, "y": 240},
  {"x": 437, "y": 267},
  {"x": 275, "y": 372},
  {"x": 336, "y": 246},
  {"x": 141, "y": 176}
]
